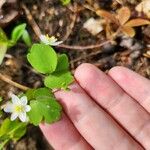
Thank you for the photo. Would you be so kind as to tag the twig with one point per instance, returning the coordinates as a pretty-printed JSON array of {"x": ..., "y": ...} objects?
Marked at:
[
  {"x": 87, "y": 6},
  {"x": 31, "y": 21},
  {"x": 9, "y": 81},
  {"x": 74, "y": 47}
]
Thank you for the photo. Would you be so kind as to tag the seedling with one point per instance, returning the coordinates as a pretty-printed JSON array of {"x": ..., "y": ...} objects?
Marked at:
[
  {"x": 35, "y": 105},
  {"x": 65, "y": 2},
  {"x": 17, "y": 33}
]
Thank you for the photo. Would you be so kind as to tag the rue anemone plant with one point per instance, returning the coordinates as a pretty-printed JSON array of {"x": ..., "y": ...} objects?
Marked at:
[{"x": 35, "y": 105}]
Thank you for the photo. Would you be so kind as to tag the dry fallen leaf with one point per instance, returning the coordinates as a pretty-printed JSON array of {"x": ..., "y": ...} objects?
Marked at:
[
  {"x": 128, "y": 31},
  {"x": 123, "y": 15},
  {"x": 107, "y": 15},
  {"x": 137, "y": 22},
  {"x": 122, "y": 22},
  {"x": 147, "y": 54}
]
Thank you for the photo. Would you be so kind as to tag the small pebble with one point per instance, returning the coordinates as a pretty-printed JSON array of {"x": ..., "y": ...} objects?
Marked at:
[{"x": 135, "y": 54}]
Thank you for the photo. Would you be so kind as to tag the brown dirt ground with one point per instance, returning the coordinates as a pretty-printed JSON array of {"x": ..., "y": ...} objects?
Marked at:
[{"x": 55, "y": 19}]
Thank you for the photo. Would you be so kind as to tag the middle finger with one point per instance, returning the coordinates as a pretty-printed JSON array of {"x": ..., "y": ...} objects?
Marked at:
[{"x": 94, "y": 124}]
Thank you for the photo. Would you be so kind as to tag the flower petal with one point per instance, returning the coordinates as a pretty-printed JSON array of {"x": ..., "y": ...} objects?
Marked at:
[
  {"x": 8, "y": 107},
  {"x": 13, "y": 116},
  {"x": 27, "y": 108},
  {"x": 23, "y": 117},
  {"x": 23, "y": 100},
  {"x": 15, "y": 99},
  {"x": 44, "y": 39},
  {"x": 56, "y": 43}
]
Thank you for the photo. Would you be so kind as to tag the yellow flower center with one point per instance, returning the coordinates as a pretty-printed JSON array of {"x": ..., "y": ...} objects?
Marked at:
[
  {"x": 19, "y": 108},
  {"x": 52, "y": 38}
]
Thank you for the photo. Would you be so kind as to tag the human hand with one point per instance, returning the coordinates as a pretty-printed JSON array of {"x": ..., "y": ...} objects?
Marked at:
[{"x": 106, "y": 112}]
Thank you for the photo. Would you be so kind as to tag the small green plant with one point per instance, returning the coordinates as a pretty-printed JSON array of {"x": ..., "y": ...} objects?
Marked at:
[
  {"x": 65, "y": 2},
  {"x": 11, "y": 130},
  {"x": 35, "y": 105},
  {"x": 17, "y": 33}
]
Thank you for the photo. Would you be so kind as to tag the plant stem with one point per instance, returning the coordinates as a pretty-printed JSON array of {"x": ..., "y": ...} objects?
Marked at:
[
  {"x": 15, "y": 84},
  {"x": 80, "y": 48}
]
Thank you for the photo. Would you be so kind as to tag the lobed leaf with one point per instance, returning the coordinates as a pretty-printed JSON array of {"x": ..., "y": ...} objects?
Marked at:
[
  {"x": 43, "y": 93},
  {"x": 39, "y": 93},
  {"x": 61, "y": 77},
  {"x": 47, "y": 110},
  {"x": 34, "y": 114},
  {"x": 63, "y": 63},
  {"x": 58, "y": 80},
  {"x": 43, "y": 58}
]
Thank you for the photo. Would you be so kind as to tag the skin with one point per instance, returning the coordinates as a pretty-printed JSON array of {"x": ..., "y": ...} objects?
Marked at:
[{"x": 103, "y": 112}]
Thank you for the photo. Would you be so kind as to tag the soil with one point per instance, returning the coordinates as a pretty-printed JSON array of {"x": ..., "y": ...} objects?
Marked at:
[{"x": 55, "y": 19}]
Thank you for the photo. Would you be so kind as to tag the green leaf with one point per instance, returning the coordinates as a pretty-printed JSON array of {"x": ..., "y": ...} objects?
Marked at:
[
  {"x": 3, "y": 45},
  {"x": 3, "y": 37},
  {"x": 26, "y": 38},
  {"x": 34, "y": 114},
  {"x": 11, "y": 43},
  {"x": 63, "y": 63},
  {"x": 65, "y": 2},
  {"x": 3, "y": 49},
  {"x": 47, "y": 110},
  {"x": 61, "y": 77},
  {"x": 1, "y": 112},
  {"x": 30, "y": 94},
  {"x": 51, "y": 110},
  {"x": 12, "y": 130},
  {"x": 43, "y": 93},
  {"x": 18, "y": 32},
  {"x": 39, "y": 93},
  {"x": 1, "y": 99},
  {"x": 44, "y": 107},
  {"x": 43, "y": 58},
  {"x": 58, "y": 80},
  {"x": 3, "y": 143}
]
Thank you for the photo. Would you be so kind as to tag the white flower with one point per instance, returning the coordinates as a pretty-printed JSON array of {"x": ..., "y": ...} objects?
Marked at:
[
  {"x": 18, "y": 107},
  {"x": 49, "y": 40}
]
